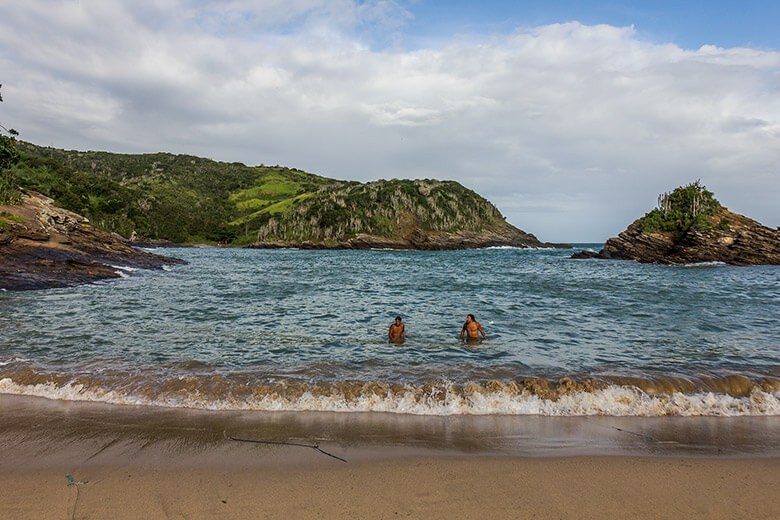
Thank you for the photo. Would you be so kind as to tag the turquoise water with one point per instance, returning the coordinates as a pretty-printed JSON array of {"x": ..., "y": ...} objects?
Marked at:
[{"x": 292, "y": 329}]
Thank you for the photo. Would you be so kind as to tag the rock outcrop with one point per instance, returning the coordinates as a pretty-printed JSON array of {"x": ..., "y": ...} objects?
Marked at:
[
  {"x": 43, "y": 246},
  {"x": 419, "y": 239},
  {"x": 422, "y": 214},
  {"x": 731, "y": 238}
]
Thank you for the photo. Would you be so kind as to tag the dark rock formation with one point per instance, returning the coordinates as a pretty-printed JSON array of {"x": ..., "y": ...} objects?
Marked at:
[
  {"x": 731, "y": 238},
  {"x": 153, "y": 244},
  {"x": 418, "y": 239},
  {"x": 585, "y": 255},
  {"x": 43, "y": 246}
]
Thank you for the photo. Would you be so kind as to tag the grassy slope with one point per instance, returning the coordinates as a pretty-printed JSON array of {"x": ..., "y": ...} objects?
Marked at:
[
  {"x": 189, "y": 199},
  {"x": 181, "y": 198}
]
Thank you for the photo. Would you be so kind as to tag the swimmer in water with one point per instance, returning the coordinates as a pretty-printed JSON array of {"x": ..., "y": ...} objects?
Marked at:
[
  {"x": 472, "y": 328},
  {"x": 397, "y": 330}
]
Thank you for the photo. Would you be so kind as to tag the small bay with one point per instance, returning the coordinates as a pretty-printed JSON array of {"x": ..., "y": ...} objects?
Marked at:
[{"x": 294, "y": 329}]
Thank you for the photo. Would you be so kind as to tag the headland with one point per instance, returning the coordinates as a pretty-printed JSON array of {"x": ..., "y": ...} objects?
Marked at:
[{"x": 163, "y": 198}]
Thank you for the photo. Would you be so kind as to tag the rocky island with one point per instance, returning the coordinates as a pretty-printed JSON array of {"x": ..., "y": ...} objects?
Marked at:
[
  {"x": 690, "y": 226},
  {"x": 43, "y": 246}
]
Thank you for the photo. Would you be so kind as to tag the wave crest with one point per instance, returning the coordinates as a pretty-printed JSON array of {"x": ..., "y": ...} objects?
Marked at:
[{"x": 533, "y": 396}]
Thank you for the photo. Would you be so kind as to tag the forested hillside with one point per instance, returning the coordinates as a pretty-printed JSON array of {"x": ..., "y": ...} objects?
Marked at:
[
  {"x": 187, "y": 199},
  {"x": 180, "y": 198}
]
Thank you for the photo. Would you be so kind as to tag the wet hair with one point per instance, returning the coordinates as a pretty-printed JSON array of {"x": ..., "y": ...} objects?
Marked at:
[
  {"x": 472, "y": 317},
  {"x": 397, "y": 318}
]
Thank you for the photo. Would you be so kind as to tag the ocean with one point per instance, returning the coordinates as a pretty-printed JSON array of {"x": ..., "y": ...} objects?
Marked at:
[{"x": 294, "y": 330}]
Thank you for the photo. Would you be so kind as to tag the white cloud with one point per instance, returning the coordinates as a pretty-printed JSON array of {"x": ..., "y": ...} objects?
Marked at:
[{"x": 572, "y": 130}]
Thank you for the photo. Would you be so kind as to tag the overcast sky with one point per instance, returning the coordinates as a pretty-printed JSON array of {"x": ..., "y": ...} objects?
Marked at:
[{"x": 571, "y": 118}]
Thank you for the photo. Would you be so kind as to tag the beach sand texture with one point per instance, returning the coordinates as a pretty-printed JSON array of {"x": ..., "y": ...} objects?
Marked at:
[
  {"x": 409, "y": 487},
  {"x": 139, "y": 462}
]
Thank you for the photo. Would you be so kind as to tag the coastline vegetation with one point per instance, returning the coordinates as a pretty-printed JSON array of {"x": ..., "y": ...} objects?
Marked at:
[
  {"x": 9, "y": 192},
  {"x": 187, "y": 199},
  {"x": 386, "y": 208},
  {"x": 6, "y": 219},
  {"x": 9, "y": 156},
  {"x": 685, "y": 209},
  {"x": 159, "y": 196}
]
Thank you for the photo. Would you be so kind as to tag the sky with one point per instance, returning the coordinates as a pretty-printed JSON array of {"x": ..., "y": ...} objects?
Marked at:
[{"x": 570, "y": 116}]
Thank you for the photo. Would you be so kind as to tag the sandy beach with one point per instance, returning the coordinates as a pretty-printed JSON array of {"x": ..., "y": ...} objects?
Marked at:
[
  {"x": 408, "y": 487},
  {"x": 142, "y": 462}
]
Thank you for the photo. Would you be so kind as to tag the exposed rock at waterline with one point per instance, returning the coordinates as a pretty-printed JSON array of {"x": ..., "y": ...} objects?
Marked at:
[
  {"x": 730, "y": 238},
  {"x": 418, "y": 239},
  {"x": 44, "y": 246}
]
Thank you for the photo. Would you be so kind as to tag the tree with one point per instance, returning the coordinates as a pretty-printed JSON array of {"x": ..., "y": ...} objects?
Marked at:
[{"x": 9, "y": 156}]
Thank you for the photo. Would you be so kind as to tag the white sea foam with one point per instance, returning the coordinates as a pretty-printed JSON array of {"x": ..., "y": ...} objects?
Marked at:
[
  {"x": 519, "y": 248},
  {"x": 613, "y": 401},
  {"x": 14, "y": 360},
  {"x": 123, "y": 270},
  {"x": 703, "y": 264}
]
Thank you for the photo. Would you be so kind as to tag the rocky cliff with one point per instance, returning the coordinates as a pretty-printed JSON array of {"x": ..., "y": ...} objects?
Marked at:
[
  {"x": 396, "y": 214},
  {"x": 690, "y": 226},
  {"x": 742, "y": 241},
  {"x": 44, "y": 246}
]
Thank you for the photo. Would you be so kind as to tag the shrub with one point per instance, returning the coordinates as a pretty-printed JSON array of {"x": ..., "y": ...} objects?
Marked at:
[
  {"x": 684, "y": 209},
  {"x": 9, "y": 156}
]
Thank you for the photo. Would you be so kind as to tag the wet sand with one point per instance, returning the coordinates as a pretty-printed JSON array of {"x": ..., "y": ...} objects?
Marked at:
[{"x": 142, "y": 462}]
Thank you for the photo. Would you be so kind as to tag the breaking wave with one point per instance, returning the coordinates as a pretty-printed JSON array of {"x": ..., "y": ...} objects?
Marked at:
[{"x": 739, "y": 395}]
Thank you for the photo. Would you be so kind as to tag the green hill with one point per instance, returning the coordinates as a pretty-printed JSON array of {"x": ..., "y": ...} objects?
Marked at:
[
  {"x": 161, "y": 196},
  {"x": 389, "y": 209},
  {"x": 188, "y": 199}
]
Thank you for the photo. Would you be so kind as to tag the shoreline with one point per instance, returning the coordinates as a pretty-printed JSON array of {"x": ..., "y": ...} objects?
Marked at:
[
  {"x": 27, "y": 423},
  {"x": 146, "y": 462}
]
